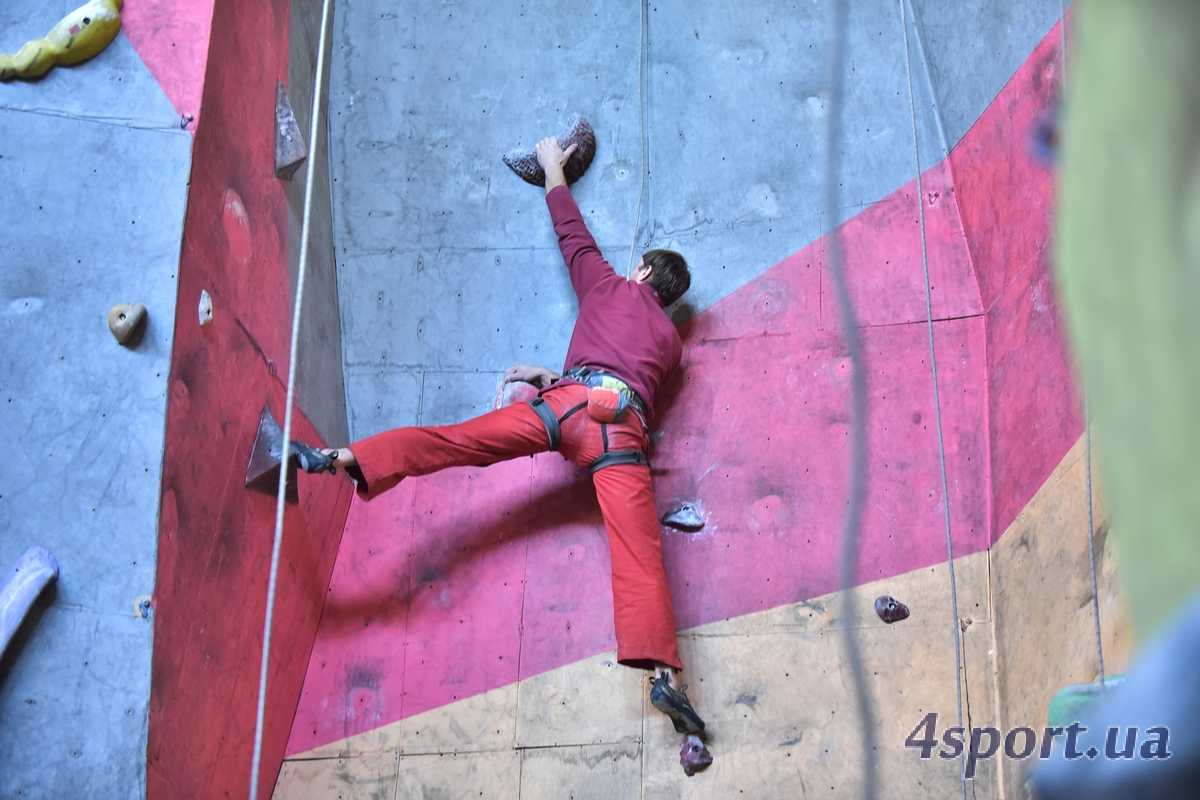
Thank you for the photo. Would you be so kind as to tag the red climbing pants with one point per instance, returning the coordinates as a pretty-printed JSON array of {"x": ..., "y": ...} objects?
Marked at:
[{"x": 642, "y": 612}]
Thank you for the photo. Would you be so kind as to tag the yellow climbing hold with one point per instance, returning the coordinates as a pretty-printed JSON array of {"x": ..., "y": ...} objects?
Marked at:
[{"x": 80, "y": 35}]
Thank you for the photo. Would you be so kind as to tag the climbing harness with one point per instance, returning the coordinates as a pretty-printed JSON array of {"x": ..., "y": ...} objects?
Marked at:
[
  {"x": 553, "y": 424},
  {"x": 605, "y": 385},
  {"x": 609, "y": 395}
]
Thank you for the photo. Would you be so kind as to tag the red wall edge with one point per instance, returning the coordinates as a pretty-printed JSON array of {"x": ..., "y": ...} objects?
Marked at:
[{"x": 215, "y": 537}]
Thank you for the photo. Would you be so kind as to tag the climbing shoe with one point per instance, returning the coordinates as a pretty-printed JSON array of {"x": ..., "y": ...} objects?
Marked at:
[
  {"x": 311, "y": 459},
  {"x": 674, "y": 703}
]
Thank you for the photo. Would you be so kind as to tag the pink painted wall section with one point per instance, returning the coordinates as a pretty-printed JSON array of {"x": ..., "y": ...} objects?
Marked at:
[
  {"x": 1035, "y": 413},
  {"x": 215, "y": 536},
  {"x": 1005, "y": 195},
  {"x": 887, "y": 281},
  {"x": 1006, "y": 199},
  {"x": 172, "y": 37}
]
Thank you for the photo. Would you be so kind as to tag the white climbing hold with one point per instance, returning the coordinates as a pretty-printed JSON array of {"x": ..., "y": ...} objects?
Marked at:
[{"x": 206, "y": 308}]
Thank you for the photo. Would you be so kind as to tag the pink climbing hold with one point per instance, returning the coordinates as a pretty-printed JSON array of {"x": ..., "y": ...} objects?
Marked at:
[{"x": 694, "y": 755}]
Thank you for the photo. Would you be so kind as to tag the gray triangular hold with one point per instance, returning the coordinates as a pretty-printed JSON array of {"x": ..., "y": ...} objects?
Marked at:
[
  {"x": 262, "y": 471},
  {"x": 290, "y": 150}
]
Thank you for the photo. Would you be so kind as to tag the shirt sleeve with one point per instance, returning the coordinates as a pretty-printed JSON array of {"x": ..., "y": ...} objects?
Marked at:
[{"x": 585, "y": 264}]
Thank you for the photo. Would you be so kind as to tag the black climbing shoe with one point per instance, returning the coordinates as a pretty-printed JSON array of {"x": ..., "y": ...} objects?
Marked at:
[
  {"x": 311, "y": 459},
  {"x": 674, "y": 703}
]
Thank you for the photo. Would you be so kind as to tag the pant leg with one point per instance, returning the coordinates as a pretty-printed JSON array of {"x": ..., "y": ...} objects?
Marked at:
[
  {"x": 642, "y": 611},
  {"x": 387, "y": 458}
]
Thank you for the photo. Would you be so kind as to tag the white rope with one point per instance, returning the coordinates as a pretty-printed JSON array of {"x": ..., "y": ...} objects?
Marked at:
[
  {"x": 1087, "y": 415},
  {"x": 1092, "y": 545},
  {"x": 280, "y": 499},
  {"x": 848, "y": 321},
  {"x": 937, "y": 403},
  {"x": 642, "y": 186}
]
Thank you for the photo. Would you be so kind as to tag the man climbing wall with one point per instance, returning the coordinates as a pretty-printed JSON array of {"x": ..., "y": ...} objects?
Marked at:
[{"x": 596, "y": 415}]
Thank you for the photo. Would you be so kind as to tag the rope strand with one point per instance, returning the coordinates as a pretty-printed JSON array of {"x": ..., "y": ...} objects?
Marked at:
[
  {"x": 310, "y": 172},
  {"x": 847, "y": 319},
  {"x": 645, "y": 174},
  {"x": 937, "y": 403}
]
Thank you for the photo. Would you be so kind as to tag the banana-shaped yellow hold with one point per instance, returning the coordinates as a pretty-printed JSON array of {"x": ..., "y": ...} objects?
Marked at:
[{"x": 80, "y": 35}]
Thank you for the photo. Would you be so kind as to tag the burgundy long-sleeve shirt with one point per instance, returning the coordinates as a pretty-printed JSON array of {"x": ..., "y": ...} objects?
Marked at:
[{"x": 621, "y": 328}]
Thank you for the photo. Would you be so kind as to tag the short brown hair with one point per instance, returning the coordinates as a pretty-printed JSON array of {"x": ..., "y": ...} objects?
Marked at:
[{"x": 668, "y": 274}]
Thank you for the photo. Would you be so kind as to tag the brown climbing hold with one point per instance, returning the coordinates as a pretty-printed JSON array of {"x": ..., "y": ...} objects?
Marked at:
[
  {"x": 694, "y": 755},
  {"x": 127, "y": 323},
  {"x": 579, "y": 133},
  {"x": 890, "y": 609}
]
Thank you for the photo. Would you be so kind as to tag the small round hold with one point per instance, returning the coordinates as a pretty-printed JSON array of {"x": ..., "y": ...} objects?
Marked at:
[
  {"x": 694, "y": 755},
  {"x": 1044, "y": 137},
  {"x": 127, "y": 323},
  {"x": 890, "y": 609}
]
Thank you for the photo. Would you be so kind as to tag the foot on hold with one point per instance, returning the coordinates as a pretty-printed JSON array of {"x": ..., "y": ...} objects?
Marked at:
[
  {"x": 674, "y": 703},
  {"x": 694, "y": 755},
  {"x": 311, "y": 459}
]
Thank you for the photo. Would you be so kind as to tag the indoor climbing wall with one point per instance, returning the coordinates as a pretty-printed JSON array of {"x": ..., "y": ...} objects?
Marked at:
[{"x": 466, "y": 644}]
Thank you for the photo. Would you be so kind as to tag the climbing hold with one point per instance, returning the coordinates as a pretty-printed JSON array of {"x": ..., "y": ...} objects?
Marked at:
[
  {"x": 684, "y": 517},
  {"x": 890, "y": 609},
  {"x": 127, "y": 323},
  {"x": 1044, "y": 137},
  {"x": 579, "y": 133},
  {"x": 77, "y": 37},
  {"x": 510, "y": 392},
  {"x": 694, "y": 755},
  {"x": 206, "y": 308},
  {"x": 290, "y": 150},
  {"x": 25, "y": 581},
  {"x": 262, "y": 471},
  {"x": 142, "y": 605}
]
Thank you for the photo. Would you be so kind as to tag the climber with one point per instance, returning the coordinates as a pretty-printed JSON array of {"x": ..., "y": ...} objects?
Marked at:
[{"x": 595, "y": 414}]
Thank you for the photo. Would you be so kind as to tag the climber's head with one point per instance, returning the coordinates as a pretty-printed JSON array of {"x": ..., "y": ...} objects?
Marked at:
[{"x": 666, "y": 272}]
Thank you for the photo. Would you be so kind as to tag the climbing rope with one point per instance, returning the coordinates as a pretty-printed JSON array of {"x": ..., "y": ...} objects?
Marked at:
[
  {"x": 645, "y": 166},
  {"x": 937, "y": 403},
  {"x": 314, "y": 132},
  {"x": 847, "y": 319},
  {"x": 1087, "y": 415},
  {"x": 1091, "y": 539}
]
